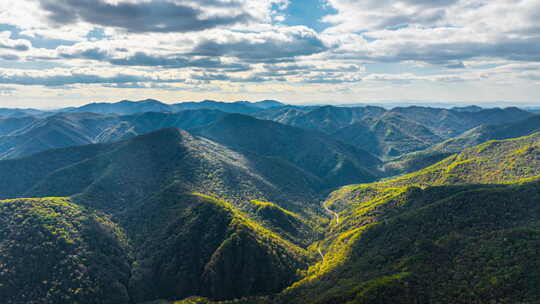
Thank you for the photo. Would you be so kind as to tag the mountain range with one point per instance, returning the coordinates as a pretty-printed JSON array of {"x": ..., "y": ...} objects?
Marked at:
[{"x": 265, "y": 203}]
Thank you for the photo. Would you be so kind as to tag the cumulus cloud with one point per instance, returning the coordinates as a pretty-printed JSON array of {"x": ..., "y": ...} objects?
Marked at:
[
  {"x": 153, "y": 44},
  {"x": 125, "y": 57},
  {"x": 437, "y": 32},
  {"x": 13, "y": 44},
  {"x": 280, "y": 44},
  {"x": 156, "y": 15},
  {"x": 62, "y": 77}
]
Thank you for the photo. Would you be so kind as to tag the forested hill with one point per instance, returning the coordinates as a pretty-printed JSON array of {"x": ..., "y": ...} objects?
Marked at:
[{"x": 130, "y": 209}]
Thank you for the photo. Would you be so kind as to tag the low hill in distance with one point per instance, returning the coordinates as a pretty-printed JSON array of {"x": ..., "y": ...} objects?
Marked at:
[
  {"x": 391, "y": 133},
  {"x": 418, "y": 160},
  {"x": 126, "y": 107},
  {"x": 75, "y": 129}
]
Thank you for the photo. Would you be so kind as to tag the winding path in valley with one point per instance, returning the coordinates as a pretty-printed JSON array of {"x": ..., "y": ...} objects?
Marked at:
[
  {"x": 332, "y": 213},
  {"x": 335, "y": 216}
]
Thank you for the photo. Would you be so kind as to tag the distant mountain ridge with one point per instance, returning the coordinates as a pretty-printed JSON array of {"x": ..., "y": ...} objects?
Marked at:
[
  {"x": 125, "y": 107},
  {"x": 387, "y": 134},
  {"x": 391, "y": 133},
  {"x": 418, "y": 160}
]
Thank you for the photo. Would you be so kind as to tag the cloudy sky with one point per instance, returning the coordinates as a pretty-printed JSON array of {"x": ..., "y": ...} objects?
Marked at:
[{"x": 69, "y": 52}]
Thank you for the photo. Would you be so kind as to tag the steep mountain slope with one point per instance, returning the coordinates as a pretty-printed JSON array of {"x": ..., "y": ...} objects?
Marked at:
[
  {"x": 49, "y": 133},
  {"x": 489, "y": 132},
  {"x": 139, "y": 124},
  {"x": 449, "y": 123},
  {"x": 469, "y": 244},
  {"x": 393, "y": 236},
  {"x": 330, "y": 160},
  {"x": 389, "y": 135},
  {"x": 396, "y": 242},
  {"x": 8, "y": 125},
  {"x": 181, "y": 254},
  {"x": 131, "y": 169},
  {"x": 53, "y": 251},
  {"x": 183, "y": 242},
  {"x": 494, "y": 162}
]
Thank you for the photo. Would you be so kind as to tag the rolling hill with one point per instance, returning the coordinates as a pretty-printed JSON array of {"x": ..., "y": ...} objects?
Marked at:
[
  {"x": 75, "y": 129},
  {"x": 318, "y": 154},
  {"x": 418, "y": 160},
  {"x": 127, "y": 107},
  {"x": 391, "y": 133}
]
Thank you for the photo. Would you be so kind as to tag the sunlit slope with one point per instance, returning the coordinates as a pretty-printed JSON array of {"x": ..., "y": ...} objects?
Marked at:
[
  {"x": 112, "y": 176},
  {"x": 449, "y": 244},
  {"x": 437, "y": 235},
  {"x": 421, "y": 159},
  {"x": 494, "y": 162},
  {"x": 193, "y": 244}
]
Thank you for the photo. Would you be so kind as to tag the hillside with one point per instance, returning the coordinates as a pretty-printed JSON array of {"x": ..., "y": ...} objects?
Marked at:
[
  {"x": 206, "y": 247},
  {"x": 493, "y": 162},
  {"x": 469, "y": 244},
  {"x": 54, "y": 251},
  {"x": 391, "y": 133},
  {"x": 9, "y": 125},
  {"x": 397, "y": 242},
  {"x": 328, "y": 119},
  {"x": 148, "y": 187},
  {"x": 333, "y": 162},
  {"x": 131, "y": 169},
  {"x": 418, "y": 160},
  {"x": 27, "y": 136},
  {"x": 48, "y": 133}
]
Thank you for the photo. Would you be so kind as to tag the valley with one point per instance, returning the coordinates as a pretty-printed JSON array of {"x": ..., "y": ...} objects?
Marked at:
[{"x": 263, "y": 202}]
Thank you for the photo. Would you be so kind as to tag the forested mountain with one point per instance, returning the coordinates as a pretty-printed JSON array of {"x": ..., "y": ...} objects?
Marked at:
[
  {"x": 445, "y": 244},
  {"x": 73, "y": 129},
  {"x": 390, "y": 133},
  {"x": 408, "y": 240},
  {"x": 332, "y": 161},
  {"x": 432, "y": 236},
  {"x": 418, "y": 160},
  {"x": 125, "y": 107},
  {"x": 200, "y": 206},
  {"x": 148, "y": 186}
]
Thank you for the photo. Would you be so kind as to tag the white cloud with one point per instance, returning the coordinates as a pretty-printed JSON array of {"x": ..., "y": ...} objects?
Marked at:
[{"x": 13, "y": 44}]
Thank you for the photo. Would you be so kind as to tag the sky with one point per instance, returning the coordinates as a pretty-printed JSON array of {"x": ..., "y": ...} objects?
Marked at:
[{"x": 57, "y": 53}]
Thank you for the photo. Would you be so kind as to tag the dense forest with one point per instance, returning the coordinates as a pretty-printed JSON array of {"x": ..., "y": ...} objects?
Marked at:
[{"x": 145, "y": 202}]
